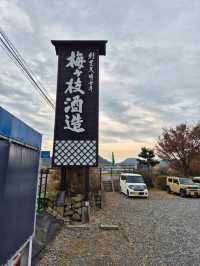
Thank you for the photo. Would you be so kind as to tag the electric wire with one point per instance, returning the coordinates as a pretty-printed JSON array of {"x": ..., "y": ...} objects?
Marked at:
[
  {"x": 27, "y": 74},
  {"x": 16, "y": 58},
  {"x": 23, "y": 62}
]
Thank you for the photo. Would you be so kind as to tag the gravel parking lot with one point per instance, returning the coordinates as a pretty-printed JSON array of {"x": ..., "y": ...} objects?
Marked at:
[{"x": 164, "y": 230}]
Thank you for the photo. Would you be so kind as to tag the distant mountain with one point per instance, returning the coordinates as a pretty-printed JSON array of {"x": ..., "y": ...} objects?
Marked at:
[
  {"x": 103, "y": 161},
  {"x": 129, "y": 161},
  {"x": 164, "y": 164}
]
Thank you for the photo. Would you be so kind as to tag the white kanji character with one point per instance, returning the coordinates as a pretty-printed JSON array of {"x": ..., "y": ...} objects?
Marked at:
[
  {"x": 91, "y": 55},
  {"x": 91, "y": 86},
  {"x": 79, "y": 60},
  {"x": 91, "y": 76},
  {"x": 67, "y": 122},
  {"x": 76, "y": 59},
  {"x": 77, "y": 104},
  {"x": 78, "y": 84},
  {"x": 71, "y": 88},
  {"x": 67, "y": 108},
  {"x": 72, "y": 60},
  {"x": 91, "y": 63},
  {"x": 91, "y": 70},
  {"x": 77, "y": 72},
  {"x": 76, "y": 123}
]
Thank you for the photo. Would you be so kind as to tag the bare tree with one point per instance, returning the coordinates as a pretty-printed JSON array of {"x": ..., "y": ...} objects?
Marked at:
[{"x": 179, "y": 146}]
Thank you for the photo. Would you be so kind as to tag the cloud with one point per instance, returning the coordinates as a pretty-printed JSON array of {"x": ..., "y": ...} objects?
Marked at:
[
  {"x": 13, "y": 16},
  {"x": 148, "y": 80}
]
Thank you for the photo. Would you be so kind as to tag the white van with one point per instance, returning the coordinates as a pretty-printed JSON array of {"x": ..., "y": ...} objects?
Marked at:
[{"x": 133, "y": 185}]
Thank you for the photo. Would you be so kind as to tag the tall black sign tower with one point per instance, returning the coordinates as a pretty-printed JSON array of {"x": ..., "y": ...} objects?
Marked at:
[
  {"x": 77, "y": 107},
  {"x": 77, "y": 103}
]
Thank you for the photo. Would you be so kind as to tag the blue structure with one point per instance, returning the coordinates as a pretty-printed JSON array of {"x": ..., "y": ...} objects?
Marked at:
[
  {"x": 45, "y": 160},
  {"x": 19, "y": 161},
  {"x": 45, "y": 154},
  {"x": 13, "y": 128}
]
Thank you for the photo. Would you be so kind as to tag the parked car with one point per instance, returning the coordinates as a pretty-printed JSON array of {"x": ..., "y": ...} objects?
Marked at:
[
  {"x": 183, "y": 186},
  {"x": 133, "y": 185},
  {"x": 196, "y": 179}
]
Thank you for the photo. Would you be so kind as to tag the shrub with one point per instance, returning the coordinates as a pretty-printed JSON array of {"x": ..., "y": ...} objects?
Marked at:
[
  {"x": 148, "y": 181},
  {"x": 160, "y": 182}
]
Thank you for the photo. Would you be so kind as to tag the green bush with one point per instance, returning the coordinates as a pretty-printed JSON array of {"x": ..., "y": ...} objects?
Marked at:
[
  {"x": 160, "y": 182},
  {"x": 148, "y": 181}
]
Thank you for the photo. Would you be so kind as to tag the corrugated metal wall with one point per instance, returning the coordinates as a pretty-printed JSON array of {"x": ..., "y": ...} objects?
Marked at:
[{"x": 18, "y": 185}]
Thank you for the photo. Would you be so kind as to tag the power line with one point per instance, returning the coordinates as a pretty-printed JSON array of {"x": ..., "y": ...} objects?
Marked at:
[
  {"x": 16, "y": 58},
  {"x": 17, "y": 54},
  {"x": 19, "y": 63}
]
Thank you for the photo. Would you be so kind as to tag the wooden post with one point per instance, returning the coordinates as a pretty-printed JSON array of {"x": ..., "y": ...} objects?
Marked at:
[
  {"x": 113, "y": 189},
  {"x": 67, "y": 174},
  {"x": 100, "y": 173},
  {"x": 87, "y": 183},
  {"x": 45, "y": 188},
  {"x": 62, "y": 193},
  {"x": 86, "y": 209},
  {"x": 40, "y": 190},
  {"x": 63, "y": 179}
]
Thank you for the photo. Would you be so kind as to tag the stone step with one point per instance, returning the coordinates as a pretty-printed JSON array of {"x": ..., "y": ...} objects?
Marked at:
[{"x": 109, "y": 227}]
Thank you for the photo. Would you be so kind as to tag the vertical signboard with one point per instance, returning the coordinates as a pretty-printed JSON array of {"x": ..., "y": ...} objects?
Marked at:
[{"x": 77, "y": 103}]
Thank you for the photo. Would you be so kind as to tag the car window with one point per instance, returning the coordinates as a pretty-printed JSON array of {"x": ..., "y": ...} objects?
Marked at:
[
  {"x": 134, "y": 179},
  {"x": 186, "y": 181},
  {"x": 176, "y": 181},
  {"x": 169, "y": 180},
  {"x": 123, "y": 178}
]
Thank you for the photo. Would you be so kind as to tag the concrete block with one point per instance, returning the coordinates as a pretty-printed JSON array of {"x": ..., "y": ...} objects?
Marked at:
[{"x": 109, "y": 227}]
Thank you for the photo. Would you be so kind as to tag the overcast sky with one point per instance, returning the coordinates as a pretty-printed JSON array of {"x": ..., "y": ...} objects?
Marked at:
[{"x": 149, "y": 79}]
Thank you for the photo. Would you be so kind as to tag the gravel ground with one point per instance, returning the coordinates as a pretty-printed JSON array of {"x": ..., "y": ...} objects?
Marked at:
[{"x": 164, "y": 230}]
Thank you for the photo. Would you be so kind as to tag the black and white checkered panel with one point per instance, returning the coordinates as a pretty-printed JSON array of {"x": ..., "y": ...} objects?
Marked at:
[{"x": 75, "y": 152}]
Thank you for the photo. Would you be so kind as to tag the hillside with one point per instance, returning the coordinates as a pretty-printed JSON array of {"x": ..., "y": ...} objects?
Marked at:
[
  {"x": 129, "y": 161},
  {"x": 103, "y": 161}
]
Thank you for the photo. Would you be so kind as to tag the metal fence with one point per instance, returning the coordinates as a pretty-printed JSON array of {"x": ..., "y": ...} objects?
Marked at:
[{"x": 42, "y": 191}]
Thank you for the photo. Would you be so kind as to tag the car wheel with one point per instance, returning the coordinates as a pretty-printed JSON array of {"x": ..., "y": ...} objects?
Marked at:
[
  {"x": 182, "y": 193},
  {"x": 168, "y": 190},
  {"x": 127, "y": 193}
]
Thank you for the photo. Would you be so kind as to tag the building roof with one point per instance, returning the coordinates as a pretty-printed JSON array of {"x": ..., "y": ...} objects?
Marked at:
[{"x": 14, "y": 129}]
